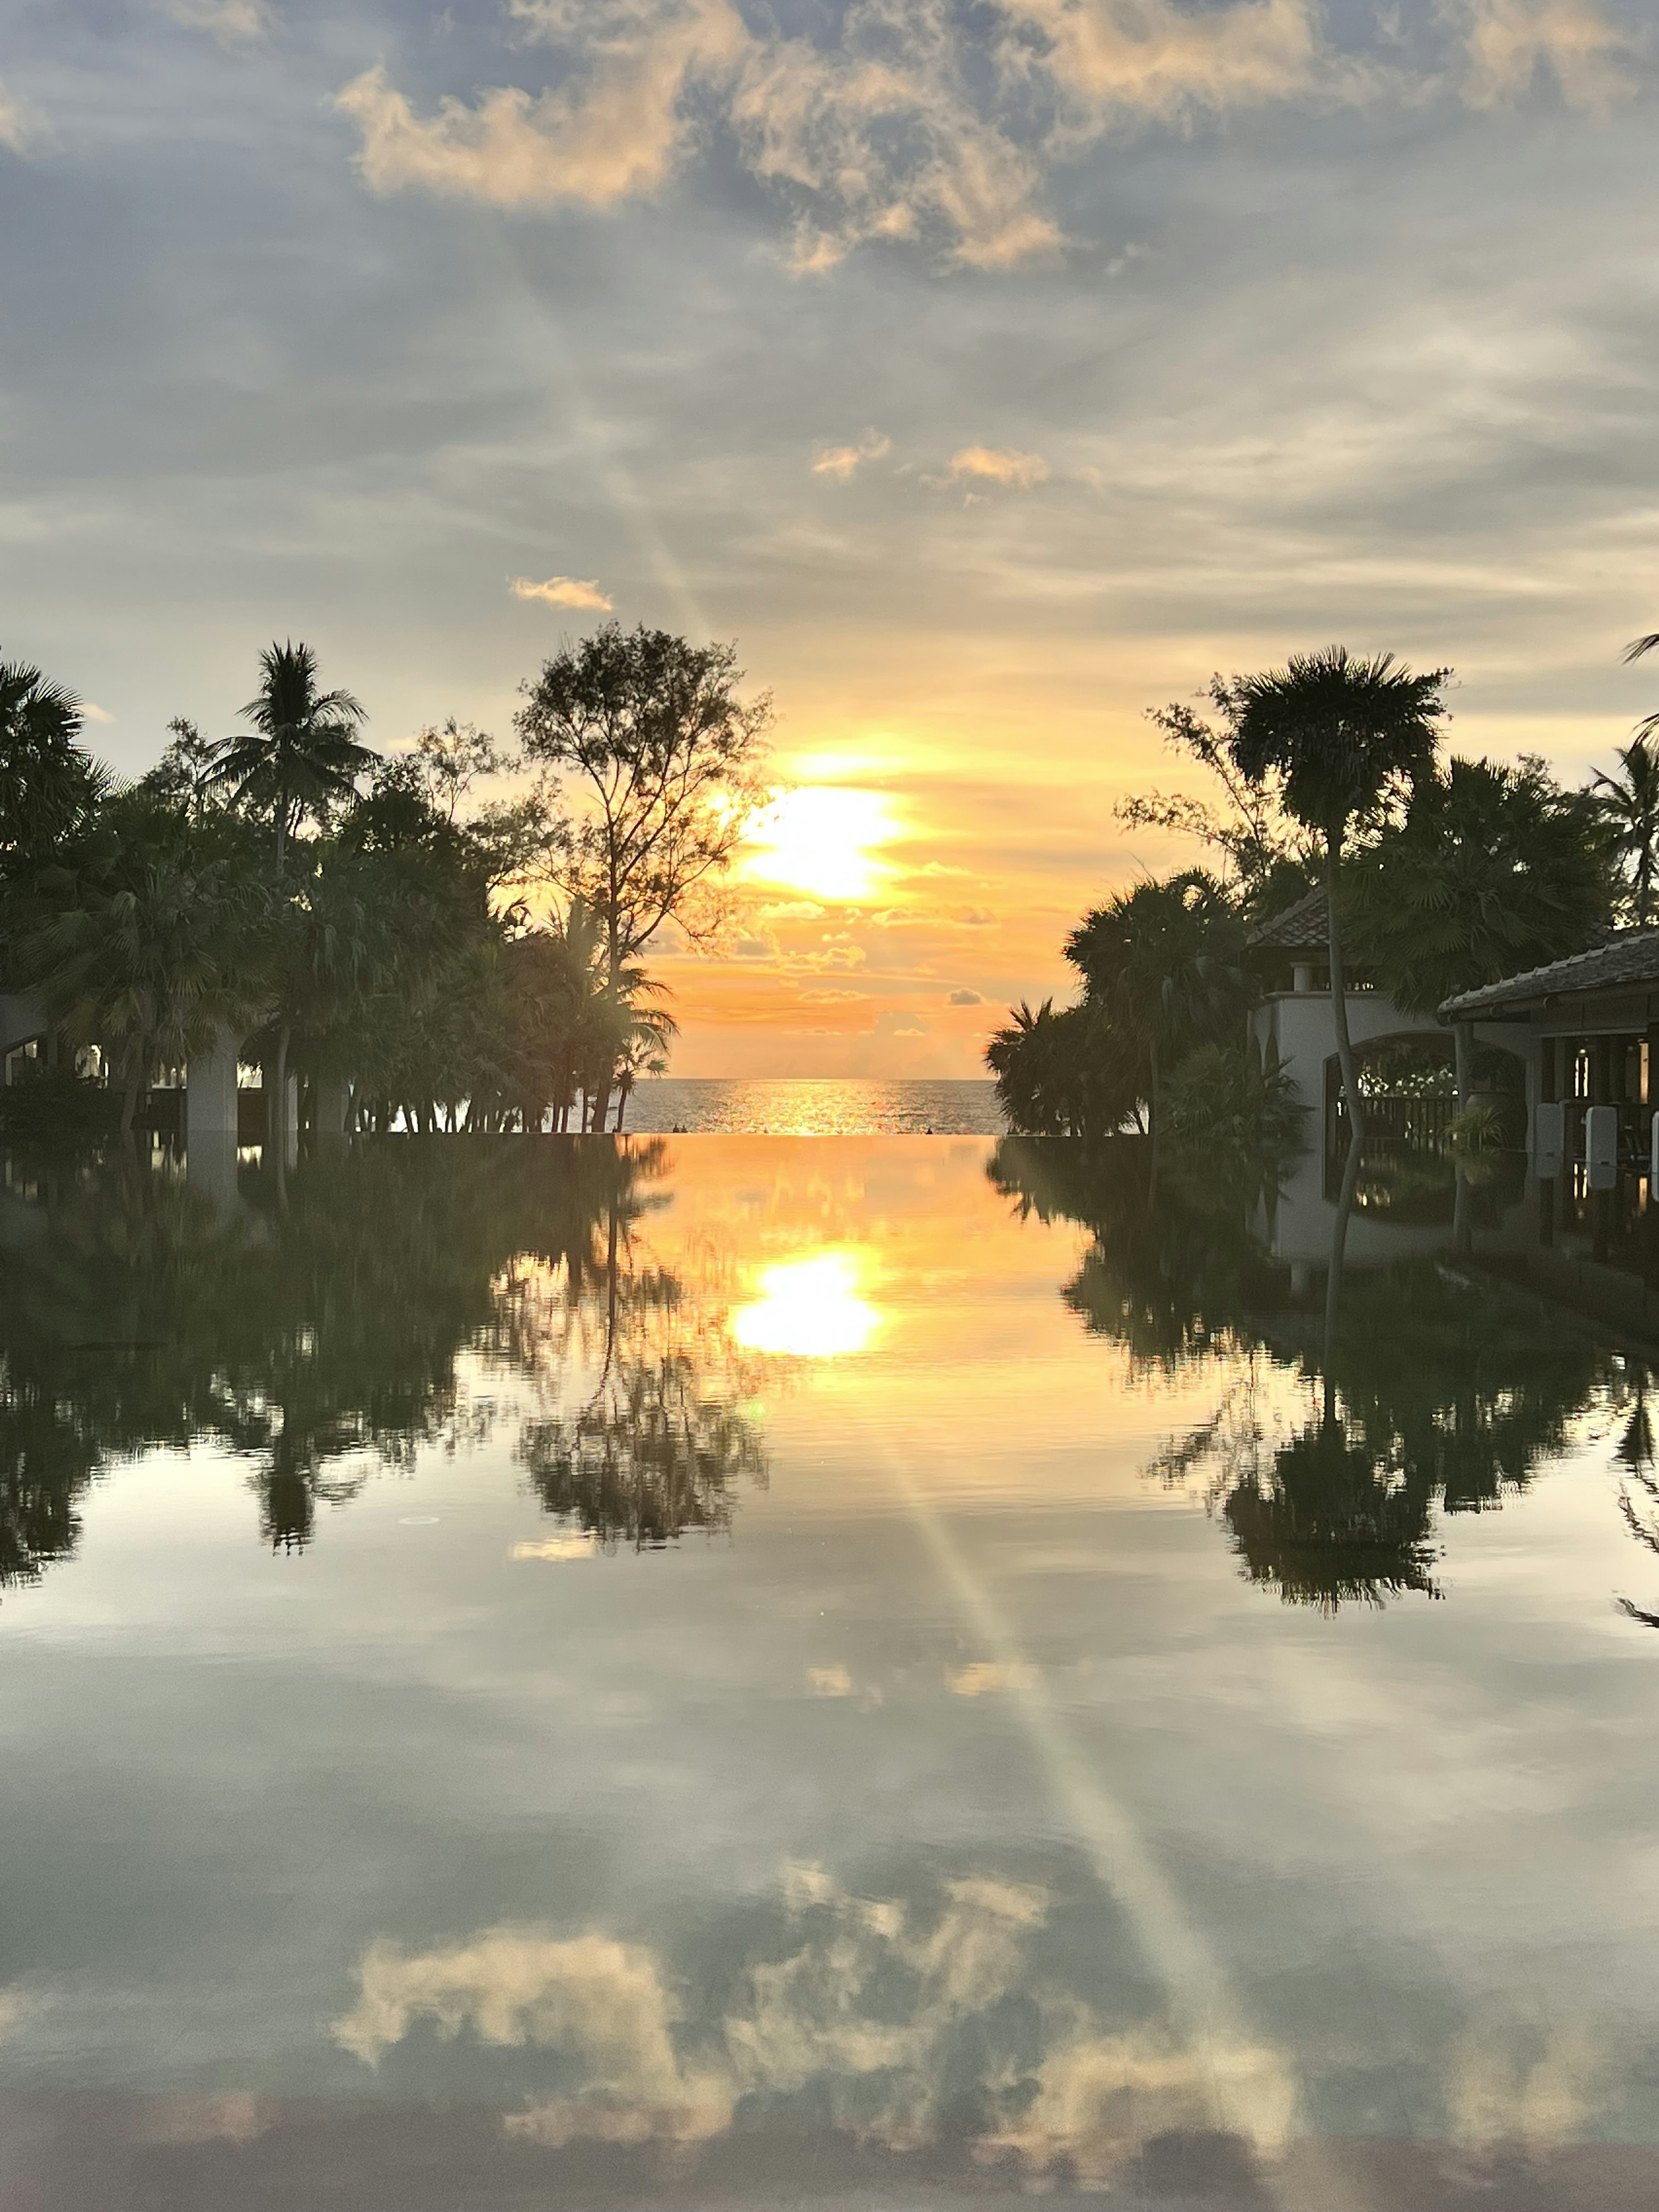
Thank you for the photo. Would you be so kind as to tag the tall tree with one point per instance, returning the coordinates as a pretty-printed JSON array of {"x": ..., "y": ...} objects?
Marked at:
[
  {"x": 651, "y": 731},
  {"x": 1493, "y": 869},
  {"x": 50, "y": 784},
  {"x": 1628, "y": 802},
  {"x": 302, "y": 755},
  {"x": 1342, "y": 736}
]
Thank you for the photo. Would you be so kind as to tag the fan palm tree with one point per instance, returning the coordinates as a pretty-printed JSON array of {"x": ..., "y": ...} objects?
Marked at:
[
  {"x": 155, "y": 963},
  {"x": 1490, "y": 872},
  {"x": 301, "y": 756},
  {"x": 1343, "y": 735}
]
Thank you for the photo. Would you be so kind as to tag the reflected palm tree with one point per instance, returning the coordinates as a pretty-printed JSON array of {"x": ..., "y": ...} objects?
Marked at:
[
  {"x": 1432, "y": 1392},
  {"x": 319, "y": 1342}
]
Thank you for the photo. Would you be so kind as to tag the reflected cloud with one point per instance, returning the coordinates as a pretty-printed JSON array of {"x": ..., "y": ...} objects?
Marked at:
[
  {"x": 900, "y": 2022},
  {"x": 1536, "y": 2083},
  {"x": 579, "y": 1544},
  {"x": 811, "y": 1308},
  {"x": 984, "y": 1676}
]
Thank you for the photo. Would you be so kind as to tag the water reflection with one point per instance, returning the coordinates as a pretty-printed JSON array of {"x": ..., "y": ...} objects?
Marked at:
[
  {"x": 811, "y": 1308},
  {"x": 322, "y": 1341},
  {"x": 1432, "y": 1391}
]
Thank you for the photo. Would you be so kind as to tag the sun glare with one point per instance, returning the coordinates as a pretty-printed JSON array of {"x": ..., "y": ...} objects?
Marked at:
[
  {"x": 811, "y": 1308},
  {"x": 822, "y": 840}
]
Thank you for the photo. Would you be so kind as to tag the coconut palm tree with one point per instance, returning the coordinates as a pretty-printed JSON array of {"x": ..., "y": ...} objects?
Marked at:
[
  {"x": 1343, "y": 735},
  {"x": 1628, "y": 802},
  {"x": 301, "y": 757},
  {"x": 48, "y": 783}
]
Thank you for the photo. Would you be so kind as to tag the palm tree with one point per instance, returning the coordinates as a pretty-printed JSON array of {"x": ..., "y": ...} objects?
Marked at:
[
  {"x": 47, "y": 780},
  {"x": 1343, "y": 735},
  {"x": 1490, "y": 872},
  {"x": 1159, "y": 966},
  {"x": 155, "y": 962},
  {"x": 301, "y": 756},
  {"x": 1628, "y": 803}
]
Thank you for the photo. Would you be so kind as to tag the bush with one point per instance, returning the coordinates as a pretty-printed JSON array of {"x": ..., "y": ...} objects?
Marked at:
[{"x": 1237, "y": 1101}]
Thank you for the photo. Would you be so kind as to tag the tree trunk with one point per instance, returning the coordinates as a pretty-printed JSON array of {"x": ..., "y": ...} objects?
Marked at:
[
  {"x": 131, "y": 1075},
  {"x": 1339, "y": 1248},
  {"x": 621, "y": 1104},
  {"x": 1339, "y": 997},
  {"x": 1154, "y": 1114}
]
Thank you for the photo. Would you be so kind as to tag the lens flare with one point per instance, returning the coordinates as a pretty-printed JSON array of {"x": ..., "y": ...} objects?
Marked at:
[{"x": 811, "y": 1308}]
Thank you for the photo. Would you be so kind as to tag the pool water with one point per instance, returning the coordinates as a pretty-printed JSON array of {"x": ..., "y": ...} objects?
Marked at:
[{"x": 861, "y": 1671}]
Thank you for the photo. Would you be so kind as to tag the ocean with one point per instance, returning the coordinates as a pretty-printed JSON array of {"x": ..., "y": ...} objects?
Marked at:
[{"x": 831, "y": 1106}]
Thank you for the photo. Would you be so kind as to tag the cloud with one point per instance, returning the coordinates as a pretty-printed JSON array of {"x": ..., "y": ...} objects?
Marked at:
[
  {"x": 840, "y": 461},
  {"x": 1112, "y": 61},
  {"x": 830, "y": 1681},
  {"x": 233, "y": 22},
  {"x": 95, "y": 712},
  {"x": 965, "y": 999},
  {"x": 20, "y": 126},
  {"x": 564, "y": 592},
  {"x": 880, "y": 137},
  {"x": 1510, "y": 41},
  {"x": 612, "y": 134},
  {"x": 987, "y": 465}
]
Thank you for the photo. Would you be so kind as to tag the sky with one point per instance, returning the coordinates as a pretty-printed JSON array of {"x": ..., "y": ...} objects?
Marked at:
[{"x": 990, "y": 373}]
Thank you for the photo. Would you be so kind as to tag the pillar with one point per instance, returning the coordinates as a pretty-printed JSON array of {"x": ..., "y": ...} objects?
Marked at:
[
  {"x": 210, "y": 1121},
  {"x": 329, "y": 1096}
]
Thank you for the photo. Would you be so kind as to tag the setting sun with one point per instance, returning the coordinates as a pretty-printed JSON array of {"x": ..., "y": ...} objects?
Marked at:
[
  {"x": 822, "y": 840},
  {"x": 810, "y": 1308}
]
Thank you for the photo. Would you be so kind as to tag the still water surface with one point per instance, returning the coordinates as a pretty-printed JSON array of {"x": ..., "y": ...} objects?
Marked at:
[{"x": 878, "y": 1672}]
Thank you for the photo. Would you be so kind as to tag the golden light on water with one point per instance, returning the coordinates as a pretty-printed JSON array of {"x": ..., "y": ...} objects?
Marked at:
[
  {"x": 823, "y": 839},
  {"x": 811, "y": 1308}
]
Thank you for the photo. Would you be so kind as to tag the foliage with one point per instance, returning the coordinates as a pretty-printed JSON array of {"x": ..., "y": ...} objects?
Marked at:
[
  {"x": 1062, "y": 1074},
  {"x": 1627, "y": 803},
  {"x": 1338, "y": 736},
  {"x": 1493, "y": 869},
  {"x": 322, "y": 1341},
  {"x": 302, "y": 757},
  {"x": 1235, "y": 1100},
  {"x": 1264, "y": 851},
  {"x": 665, "y": 756}
]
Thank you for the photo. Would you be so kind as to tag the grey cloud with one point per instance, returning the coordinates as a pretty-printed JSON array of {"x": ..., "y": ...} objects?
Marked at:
[{"x": 965, "y": 999}]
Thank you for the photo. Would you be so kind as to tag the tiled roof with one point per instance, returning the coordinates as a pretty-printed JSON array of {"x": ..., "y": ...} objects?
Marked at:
[
  {"x": 1294, "y": 929},
  {"x": 1629, "y": 957}
]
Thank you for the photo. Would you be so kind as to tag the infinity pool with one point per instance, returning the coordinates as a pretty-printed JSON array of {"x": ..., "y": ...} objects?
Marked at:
[{"x": 839, "y": 1672}]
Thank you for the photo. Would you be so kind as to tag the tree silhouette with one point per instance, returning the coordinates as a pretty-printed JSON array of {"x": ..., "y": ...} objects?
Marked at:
[{"x": 1341, "y": 736}]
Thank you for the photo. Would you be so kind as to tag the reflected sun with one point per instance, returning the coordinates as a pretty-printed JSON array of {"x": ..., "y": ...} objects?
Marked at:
[
  {"x": 823, "y": 840},
  {"x": 811, "y": 1308}
]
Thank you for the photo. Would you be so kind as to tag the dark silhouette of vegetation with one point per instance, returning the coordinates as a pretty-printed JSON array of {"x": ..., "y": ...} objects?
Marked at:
[
  {"x": 1433, "y": 1394},
  {"x": 322, "y": 1341},
  {"x": 663, "y": 756},
  {"x": 1493, "y": 870},
  {"x": 378, "y": 927}
]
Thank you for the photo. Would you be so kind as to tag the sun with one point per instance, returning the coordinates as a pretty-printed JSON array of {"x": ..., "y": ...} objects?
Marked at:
[
  {"x": 811, "y": 1308},
  {"x": 823, "y": 840}
]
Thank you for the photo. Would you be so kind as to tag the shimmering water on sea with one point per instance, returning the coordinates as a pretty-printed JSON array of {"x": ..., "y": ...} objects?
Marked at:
[
  {"x": 852, "y": 1106},
  {"x": 878, "y": 1673}
]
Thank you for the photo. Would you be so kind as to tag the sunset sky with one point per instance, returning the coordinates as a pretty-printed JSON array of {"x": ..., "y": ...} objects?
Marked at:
[{"x": 989, "y": 372}]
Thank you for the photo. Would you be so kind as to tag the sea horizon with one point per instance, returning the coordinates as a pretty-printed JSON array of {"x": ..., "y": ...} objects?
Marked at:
[{"x": 815, "y": 1106}]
